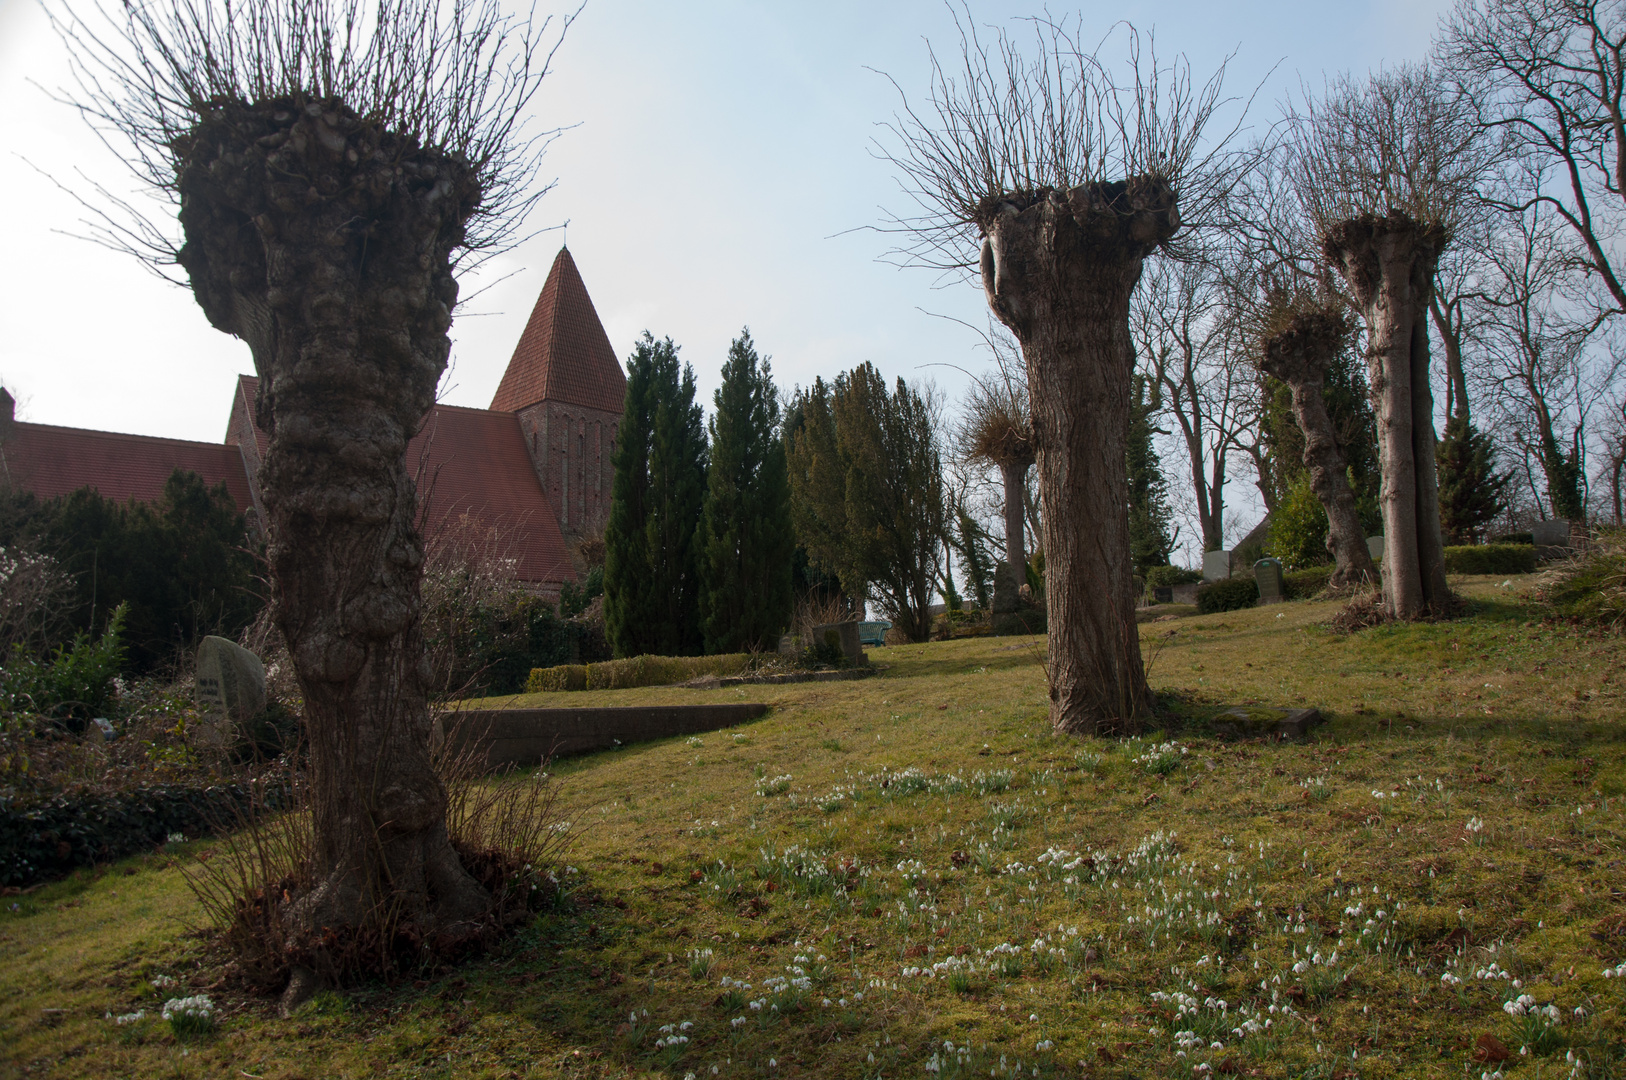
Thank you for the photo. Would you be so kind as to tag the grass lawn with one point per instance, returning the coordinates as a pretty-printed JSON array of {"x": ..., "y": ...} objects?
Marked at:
[{"x": 909, "y": 876}]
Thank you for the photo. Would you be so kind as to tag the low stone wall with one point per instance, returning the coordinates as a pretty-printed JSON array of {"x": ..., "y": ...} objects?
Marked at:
[{"x": 528, "y": 736}]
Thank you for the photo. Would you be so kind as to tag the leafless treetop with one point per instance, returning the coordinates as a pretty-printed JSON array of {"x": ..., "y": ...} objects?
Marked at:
[
  {"x": 454, "y": 75},
  {"x": 1400, "y": 140},
  {"x": 1010, "y": 116}
]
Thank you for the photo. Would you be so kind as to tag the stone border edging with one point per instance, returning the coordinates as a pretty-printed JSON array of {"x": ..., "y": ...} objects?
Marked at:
[{"x": 529, "y": 736}]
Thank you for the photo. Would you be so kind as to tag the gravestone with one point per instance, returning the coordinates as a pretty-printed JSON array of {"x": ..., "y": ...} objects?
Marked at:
[
  {"x": 1163, "y": 594},
  {"x": 1268, "y": 573},
  {"x": 789, "y": 645},
  {"x": 1185, "y": 594},
  {"x": 1553, "y": 533},
  {"x": 1374, "y": 547},
  {"x": 1216, "y": 565},
  {"x": 229, "y": 691},
  {"x": 844, "y": 635},
  {"x": 1252, "y": 722}
]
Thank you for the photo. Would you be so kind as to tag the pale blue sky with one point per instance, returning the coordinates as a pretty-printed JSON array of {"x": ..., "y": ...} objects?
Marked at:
[{"x": 721, "y": 158}]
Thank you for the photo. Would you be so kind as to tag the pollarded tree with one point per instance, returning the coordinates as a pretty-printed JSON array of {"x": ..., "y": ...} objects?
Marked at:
[
  {"x": 996, "y": 429},
  {"x": 1383, "y": 169},
  {"x": 330, "y": 161},
  {"x": 1302, "y": 338},
  {"x": 651, "y": 542},
  {"x": 745, "y": 543},
  {"x": 1063, "y": 181}
]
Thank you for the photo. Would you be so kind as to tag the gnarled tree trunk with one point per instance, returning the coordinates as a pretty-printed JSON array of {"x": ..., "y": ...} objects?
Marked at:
[
  {"x": 1298, "y": 354},
  {"x": 1058, "y": 268},
  {"x": 324, "y": 242},
  {"x": 1388, "y": 264},
  {"x": 1008, "y": 583}
]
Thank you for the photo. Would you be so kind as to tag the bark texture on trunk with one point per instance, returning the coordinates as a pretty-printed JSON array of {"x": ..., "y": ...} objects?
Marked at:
[
  {"x": 324, "y": 242},
  {"x": 1298, "y": 354},
  {"x": 1058, "y": 268},
  {"x": 1388, "y": 264},
  {"x": 1008, "y": 584}
]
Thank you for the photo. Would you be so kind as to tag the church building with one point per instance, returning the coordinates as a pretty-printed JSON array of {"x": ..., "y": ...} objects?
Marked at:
[{"x": 535, "y": 466}]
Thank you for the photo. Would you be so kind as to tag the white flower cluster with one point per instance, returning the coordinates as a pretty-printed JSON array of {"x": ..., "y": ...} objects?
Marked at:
[
  {"x": 670, "y": 1034},
  {"x": 1616, "y": 972},
  {"x": 1525, "y": 1005},
  {"x": 198, "y": 1007},
  {"x": 776, "y": 785},
  {"x": 162, "y": 982}
]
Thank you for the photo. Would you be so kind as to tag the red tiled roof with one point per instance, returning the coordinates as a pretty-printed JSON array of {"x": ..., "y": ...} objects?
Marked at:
[
  {"x": 564, "y": 354},
  {"x": 473, "y": 463},
  {"x": 52, "y": 461}
]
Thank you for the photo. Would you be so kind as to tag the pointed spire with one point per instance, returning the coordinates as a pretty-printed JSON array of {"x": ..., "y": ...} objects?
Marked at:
[{"x": 564, "y": 354}]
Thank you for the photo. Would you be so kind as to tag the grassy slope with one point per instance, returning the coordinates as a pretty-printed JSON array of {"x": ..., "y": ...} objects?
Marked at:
[{"x": 1488, "y": 719}]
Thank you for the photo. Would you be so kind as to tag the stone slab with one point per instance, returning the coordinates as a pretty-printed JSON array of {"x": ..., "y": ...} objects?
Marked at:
[
  {"x": 1186, "y": 594},
  {"x": 1374, "y": 547},
  {"x": 846, "y": 637},
  {"x": 1256, "y": 722},
  {"x": 1551, "y": 533},
  {"x": 1216, "y": 565},
  {"x": 529, "y": 736},
  {"x": 228, "y": 690}
]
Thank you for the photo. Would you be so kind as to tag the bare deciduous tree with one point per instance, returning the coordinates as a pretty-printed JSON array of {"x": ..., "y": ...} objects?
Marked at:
[
  {"x": 1063, "y": 180},
  {"x": 1185, "y": 332},
  {"x": 330, "y": 162},
  {"x": 1383, "y": 169},
  {"x": 1547, "y": 79}
]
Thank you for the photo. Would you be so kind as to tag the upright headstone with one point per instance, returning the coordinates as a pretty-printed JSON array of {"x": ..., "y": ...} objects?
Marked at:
[
  {"x": 1374, "y": 547},
  {"x": 1268, "y": 573},
  {"x": 1551, "y": 533},
  {"x": 230, "y": 690},
  {"x": 845, "y": 636},
  {"x": 1216, "y": 565}
]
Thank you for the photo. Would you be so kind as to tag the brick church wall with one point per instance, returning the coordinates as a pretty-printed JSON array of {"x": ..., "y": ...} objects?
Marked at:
[{"x": 572, "y": 448}]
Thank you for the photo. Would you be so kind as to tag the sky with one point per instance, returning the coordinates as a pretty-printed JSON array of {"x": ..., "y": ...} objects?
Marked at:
[{"x": 718, "y": 170}]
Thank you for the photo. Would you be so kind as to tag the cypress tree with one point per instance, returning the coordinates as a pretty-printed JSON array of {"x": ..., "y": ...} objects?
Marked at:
[
  {"x": 745, "y": 542},
  {"x": 1470, "y": 488},
  {"x": 651, "y": 583},
  {"x": 1149, "y": 515}
]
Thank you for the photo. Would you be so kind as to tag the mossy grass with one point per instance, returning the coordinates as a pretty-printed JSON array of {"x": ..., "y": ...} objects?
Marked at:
[{"x": 1003, "y": 899}]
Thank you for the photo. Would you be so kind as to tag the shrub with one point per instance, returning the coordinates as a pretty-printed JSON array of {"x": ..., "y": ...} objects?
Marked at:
[
  {"x": 1231, "y": 594},
  {"x": 1163, "y": 577},
  {"x": 1307, "y": 583},
  {"x": 1490, "y": 559},
  {"x": 76, "y": 684},
  {"x": 635, "y": 671},
  {"x": 1591, "y": 586},
  {"x": 52, "y": 838},
  {"x": 1298, "y": 527}
]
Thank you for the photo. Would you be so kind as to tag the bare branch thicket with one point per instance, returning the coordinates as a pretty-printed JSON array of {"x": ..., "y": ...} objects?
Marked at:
[
  {"x": 457, "y": 77},
  {"x": 1401, "y": 141},
  {"x": 1005, "y": 120},
  {"x": 1546, "y": 80}
]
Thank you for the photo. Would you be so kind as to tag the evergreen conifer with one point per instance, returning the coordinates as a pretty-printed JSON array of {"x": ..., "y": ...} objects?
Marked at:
[
  {"x": 1149, "y": 515},
  {"x": 1470, "y": 488},
  {"x": 745, "y": 543},
  {"x": 651, "y": 579}
]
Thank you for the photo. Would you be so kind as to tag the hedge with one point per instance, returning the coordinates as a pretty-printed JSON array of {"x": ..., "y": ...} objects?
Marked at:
[
  {"x": 51, "y": 839},
  {"x": 634, "y": 671},
  {"x": 1491, "y": 559},
  {"x": 1308, "y": 582},
  {"x": 1228, "y": 594}
]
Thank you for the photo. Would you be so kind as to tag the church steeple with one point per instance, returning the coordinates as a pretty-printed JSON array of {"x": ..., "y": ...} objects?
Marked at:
[{"x": 564, "y": 354}]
